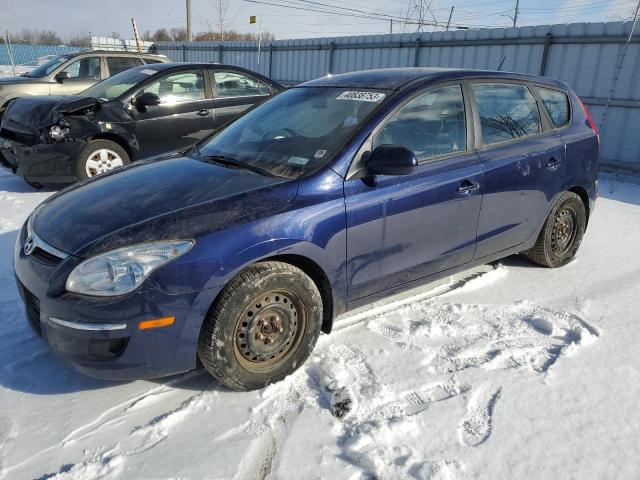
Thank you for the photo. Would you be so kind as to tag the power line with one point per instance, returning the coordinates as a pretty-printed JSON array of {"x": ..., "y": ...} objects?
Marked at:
[{"x": 382, "y": 17}]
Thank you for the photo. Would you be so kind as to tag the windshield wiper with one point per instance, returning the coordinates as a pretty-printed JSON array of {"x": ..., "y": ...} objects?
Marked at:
[{"x": 232, "y": 162}]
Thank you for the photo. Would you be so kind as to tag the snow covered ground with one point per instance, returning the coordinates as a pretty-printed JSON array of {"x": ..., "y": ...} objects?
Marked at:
[{"x": 512, "y": 371}]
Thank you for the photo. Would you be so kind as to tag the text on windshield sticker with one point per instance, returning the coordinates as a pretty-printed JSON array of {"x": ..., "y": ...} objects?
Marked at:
[{"x": 361, "y": 96}]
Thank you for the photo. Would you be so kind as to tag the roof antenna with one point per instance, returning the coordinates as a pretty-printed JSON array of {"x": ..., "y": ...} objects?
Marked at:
[{"x": 502, "y": 63}]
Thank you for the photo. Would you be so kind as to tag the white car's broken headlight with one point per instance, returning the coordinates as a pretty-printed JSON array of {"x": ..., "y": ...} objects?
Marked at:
[{"x": 123, "y": 270}]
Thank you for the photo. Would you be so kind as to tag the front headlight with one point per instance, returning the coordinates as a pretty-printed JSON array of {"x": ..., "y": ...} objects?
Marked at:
[
  {"x": 122, "y": 271},
  {"x": 57, "y": 132}
]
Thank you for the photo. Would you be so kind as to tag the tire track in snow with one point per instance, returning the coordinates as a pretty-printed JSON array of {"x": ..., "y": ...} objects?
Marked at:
[{"x": 110, "y": 417}]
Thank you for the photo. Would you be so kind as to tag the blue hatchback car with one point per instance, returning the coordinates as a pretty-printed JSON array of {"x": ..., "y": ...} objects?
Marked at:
[{"x": 241, "y": 250}]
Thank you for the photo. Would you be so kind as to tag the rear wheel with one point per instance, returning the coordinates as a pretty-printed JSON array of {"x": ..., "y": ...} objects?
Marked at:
[
  {"x": 561, "y": 234},
  {"x": 263, "y": 326},
  {"x": 98, "y": 157}
]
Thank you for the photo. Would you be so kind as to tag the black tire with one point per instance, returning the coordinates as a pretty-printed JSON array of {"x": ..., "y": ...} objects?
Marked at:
[
  {"x": 561, "y": 234},
  {"x": 262, "y": 327},
  {"x": 91, "y": 148}
]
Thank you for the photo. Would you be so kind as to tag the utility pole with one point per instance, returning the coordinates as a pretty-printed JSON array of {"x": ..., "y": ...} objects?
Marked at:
[
  {"x": 391, "y": 26},
  {"x": 516, "y": 14},
  {"x": 450, "y": 17},
  {"x": 189, "y": 33}
]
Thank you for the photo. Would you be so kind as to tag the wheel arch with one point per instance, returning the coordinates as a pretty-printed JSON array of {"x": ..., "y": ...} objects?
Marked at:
[
  {"x": 312, "y": 269},
  {"x": 584, "y": 196},
  {"x": 319, "y": 277},
  {"x": 116, "y": 139}
]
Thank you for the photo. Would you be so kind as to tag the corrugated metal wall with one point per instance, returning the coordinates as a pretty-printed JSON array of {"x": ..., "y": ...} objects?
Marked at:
[{"x": 585, "y": 55}]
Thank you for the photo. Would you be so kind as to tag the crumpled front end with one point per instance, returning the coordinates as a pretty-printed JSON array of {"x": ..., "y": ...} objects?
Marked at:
[{"x": 41, "y": 137}]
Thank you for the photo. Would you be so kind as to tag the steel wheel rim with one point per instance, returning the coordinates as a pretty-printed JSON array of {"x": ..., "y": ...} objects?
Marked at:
[
  {"x": 564, "y": 231},
  {"x": 269, "y": 331},
  {"x": 102, "y": 161}
]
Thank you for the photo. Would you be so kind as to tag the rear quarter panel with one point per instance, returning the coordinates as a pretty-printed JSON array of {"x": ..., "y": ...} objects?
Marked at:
[{"x": 582, "y": 148}]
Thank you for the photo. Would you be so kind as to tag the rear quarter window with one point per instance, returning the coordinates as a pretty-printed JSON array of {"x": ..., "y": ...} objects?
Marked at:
[
  {"x": 507, "y": 111},
  {"x": 557, "y": 105},
  {"x": 120, "y": 64}
]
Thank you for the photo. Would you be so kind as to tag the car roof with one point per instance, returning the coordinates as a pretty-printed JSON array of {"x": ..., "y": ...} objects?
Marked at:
[
  {"x": 399, "y": 78},
  {"x": 113, "y": 52},
  {"x": 161, "y": 67}
]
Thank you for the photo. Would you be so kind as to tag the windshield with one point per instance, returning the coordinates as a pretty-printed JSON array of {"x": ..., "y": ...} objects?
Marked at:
[
  {"x": 294, "y": 132},
  {"x": 114, "y": 86},
  {"x": 47, "y": 67}
]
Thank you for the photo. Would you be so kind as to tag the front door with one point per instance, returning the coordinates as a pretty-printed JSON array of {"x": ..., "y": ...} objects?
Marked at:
[
  {"x": 522, "y": 166},
  {"x": 184, "y": 116},
  {"x": 403, "y": 228}
]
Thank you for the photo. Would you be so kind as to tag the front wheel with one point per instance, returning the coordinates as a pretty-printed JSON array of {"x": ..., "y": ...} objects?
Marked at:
[
  {"x": 262, "y": 327},
  {"x": 561, "y": 234},
  {"x": 98, "y": 157}
]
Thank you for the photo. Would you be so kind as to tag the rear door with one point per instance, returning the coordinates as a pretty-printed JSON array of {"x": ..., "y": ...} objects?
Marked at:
[
  {"x": 403, "y": 228},
  {"x": 235, "y": 92},
  {"x": 83, "y": 72},
  {"x": 522, "y": 159},
  {"x": 183, "y": 117}
]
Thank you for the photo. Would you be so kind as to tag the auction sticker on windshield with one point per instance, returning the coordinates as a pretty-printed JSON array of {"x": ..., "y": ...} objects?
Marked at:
[{"x": 361, "y": 96}]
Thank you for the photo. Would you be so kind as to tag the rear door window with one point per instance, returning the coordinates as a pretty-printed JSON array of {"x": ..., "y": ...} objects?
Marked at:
[
  {"x": 233, "y": 84},
  {"x": 507, "y": 111},
  {"x": 557, "y": 105},
  {"x": 430, "y": 125},
  {"x": 179, "y": 87},
  {"x": 120, "y": 64}
]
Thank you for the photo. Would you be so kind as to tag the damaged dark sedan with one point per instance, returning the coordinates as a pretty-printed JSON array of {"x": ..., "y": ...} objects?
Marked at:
[{"x": 141, "y": 112}]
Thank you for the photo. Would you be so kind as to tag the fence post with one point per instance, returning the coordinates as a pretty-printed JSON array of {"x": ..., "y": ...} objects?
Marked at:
[
  {"x": 220, "y": 53},
  {"x": 184, "y": 52},
  {"x": 270, "y": 59},
  {"x": 545, "y": 54},
  {"x": 416, "y": 53},
  {"x": 332, "y": 47}
]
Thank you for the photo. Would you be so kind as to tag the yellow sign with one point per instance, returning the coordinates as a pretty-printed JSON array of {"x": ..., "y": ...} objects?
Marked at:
[{"x": 252, "y": 19}]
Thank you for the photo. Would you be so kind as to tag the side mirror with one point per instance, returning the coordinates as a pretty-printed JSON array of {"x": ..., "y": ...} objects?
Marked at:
[
  {"x": 391, "y": 160},
  {"x": 147, "y": 99},
  {"x": 61, "y": 76}
]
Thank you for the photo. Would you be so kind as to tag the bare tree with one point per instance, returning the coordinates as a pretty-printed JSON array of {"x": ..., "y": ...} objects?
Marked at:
[
  {"x": 79, "y": 40},
  {"x": 231, "y": 35},
  {"x": 36, "y": 37},
  {"x": 179, "y": 34},
  {"x": 221, "y": 10}
]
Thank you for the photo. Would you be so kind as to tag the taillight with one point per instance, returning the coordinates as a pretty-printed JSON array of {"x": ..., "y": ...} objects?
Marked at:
[{"x": 590, "y": 121}]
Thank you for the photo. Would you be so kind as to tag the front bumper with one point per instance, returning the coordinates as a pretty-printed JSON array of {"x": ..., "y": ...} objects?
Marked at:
[
  {"x": 42, "y": 164},
  {"x": 100, "y": 336}
]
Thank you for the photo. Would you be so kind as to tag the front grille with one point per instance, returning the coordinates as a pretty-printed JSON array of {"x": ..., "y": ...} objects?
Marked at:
[
  {"x": 19, "y": 137},
  {"x": 45, "y": 257},
  {"x": 32, "y": 309}
]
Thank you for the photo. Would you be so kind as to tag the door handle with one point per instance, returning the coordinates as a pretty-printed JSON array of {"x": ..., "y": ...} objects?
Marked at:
[
  {"x": 467, "y": 187},
  {"x": 203, "y": 113},
  {"x": 553, "y": 163}
]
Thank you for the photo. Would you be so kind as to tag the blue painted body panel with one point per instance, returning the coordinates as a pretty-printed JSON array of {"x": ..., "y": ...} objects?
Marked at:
[{"x": 370, "y": 237}]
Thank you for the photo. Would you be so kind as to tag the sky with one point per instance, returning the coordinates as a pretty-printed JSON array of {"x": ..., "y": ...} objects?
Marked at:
[{"x": 70, "y": 17}]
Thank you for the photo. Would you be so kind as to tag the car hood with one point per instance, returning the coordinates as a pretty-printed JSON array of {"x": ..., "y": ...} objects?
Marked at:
[
  {"x": 30, "y": 115},
  {"x": 169, "y": 198}
]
